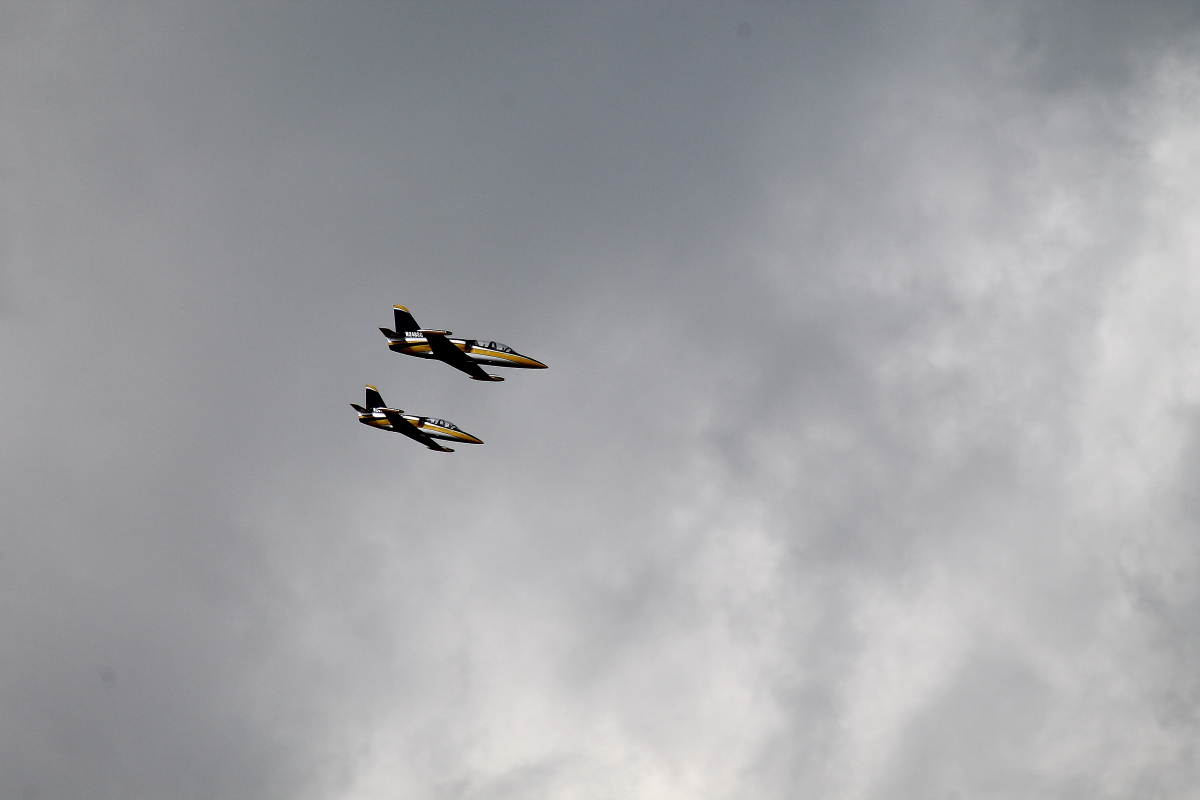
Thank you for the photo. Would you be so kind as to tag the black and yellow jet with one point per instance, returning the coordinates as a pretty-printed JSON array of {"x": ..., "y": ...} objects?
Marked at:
[
  {"x": 468, "y": 355},
  {"x": 424, "y": 429}
]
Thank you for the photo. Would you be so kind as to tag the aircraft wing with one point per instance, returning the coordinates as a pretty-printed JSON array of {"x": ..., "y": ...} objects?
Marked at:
[
  {"x": 445, "y": 350},
  {"x": 401, "y": 425}
]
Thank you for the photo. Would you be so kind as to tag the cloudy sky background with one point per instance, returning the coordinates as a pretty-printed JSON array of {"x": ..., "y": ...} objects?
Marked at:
[{"x": 867, "y": 465}]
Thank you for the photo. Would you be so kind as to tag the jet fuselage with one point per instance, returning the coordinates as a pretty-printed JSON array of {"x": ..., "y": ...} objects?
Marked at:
[
  {"x": 490, "y": 354},
  {"x": 466, "y": 355},
  {"x": 435, "y": 428}
]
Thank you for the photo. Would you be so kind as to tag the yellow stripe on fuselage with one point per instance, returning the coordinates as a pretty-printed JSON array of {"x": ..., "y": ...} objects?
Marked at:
[
  {"x": 428, "y": 427},
  {"x": 459, "y": 435},
  {"x": 515, "y": 358},
  {"x": 421, "y": 346},
  {"x": 485, "y": 352}
]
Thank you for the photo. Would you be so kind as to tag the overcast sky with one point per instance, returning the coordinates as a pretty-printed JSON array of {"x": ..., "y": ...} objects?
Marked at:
[{"x": 867, "y": 466}]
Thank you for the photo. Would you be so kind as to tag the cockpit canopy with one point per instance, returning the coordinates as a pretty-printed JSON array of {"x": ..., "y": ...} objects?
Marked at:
[
  {"x": 503, "y": 348},
  {"x": 441, "y": 423}
]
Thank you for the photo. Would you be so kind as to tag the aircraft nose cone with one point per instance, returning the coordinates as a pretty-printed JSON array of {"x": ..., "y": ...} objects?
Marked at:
[
  {"x": 469, "y": 439},
  {"x": 522, "y": 360}
]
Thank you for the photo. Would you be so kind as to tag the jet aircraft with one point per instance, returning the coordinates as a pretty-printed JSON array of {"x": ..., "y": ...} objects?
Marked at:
[
  {"x": 468, "y": 355},
  {"x": 424, "y": 429}
]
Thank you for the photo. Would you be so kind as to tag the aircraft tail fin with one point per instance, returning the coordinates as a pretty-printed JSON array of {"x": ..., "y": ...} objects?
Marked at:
[
  {"x": 404, "y": 320},
  {"x": 374, "y": 399}
]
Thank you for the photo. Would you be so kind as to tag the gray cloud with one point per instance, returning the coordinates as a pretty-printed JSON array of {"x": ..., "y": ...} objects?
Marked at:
[{"x": 863, "y": 468}]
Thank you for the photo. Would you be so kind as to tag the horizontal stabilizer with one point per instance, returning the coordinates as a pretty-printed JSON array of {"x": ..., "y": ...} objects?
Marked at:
[
  {"x": 358, "y": 408},
  {"x": 391, "y": 334}
]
